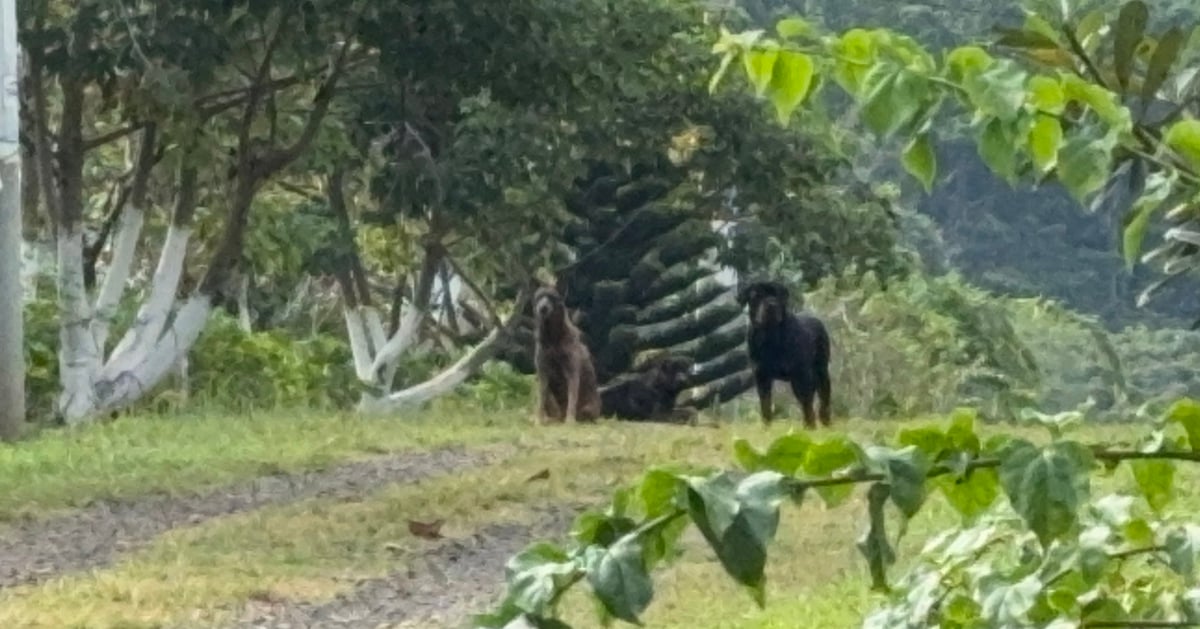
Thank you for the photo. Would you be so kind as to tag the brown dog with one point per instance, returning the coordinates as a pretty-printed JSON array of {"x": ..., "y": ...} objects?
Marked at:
[
  {"x": 567, "y": 387},
  {"x": 650, "y": 392}
]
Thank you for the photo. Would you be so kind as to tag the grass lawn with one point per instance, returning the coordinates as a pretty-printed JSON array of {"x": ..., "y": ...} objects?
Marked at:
[
  {"x": 136, "y": 456},
  {"x": 314, "y": 548}
]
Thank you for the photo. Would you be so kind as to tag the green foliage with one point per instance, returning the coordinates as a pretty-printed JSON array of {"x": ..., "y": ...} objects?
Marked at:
[
  {"x": 233, "y": 369},
  {"x": 1048, "y": 555},
  {"x": 923, "y": 345},
  {"x": 1034, "y": 112}
]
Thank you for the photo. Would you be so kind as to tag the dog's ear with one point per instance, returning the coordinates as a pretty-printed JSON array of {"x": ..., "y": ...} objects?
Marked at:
[{"x": 784, "y": 294}]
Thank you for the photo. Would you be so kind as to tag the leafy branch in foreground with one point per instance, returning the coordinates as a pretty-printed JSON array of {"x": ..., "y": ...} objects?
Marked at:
[
  {"x": 1053, "y": 111},
  {"x": 1049, "y": 555}
]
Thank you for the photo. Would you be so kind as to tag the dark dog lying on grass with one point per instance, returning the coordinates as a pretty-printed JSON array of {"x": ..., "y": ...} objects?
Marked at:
[
  {"x": 649, "y": 394},
  {"x": 566, "y": 376},
  {"x": 787, "y": 346}
]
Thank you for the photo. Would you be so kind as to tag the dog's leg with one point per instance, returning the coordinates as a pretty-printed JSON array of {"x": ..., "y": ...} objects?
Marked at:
[
  {"x": 803, "y": 388},
  {"x": 573, "y": 375},
  {"x": 763, "y": 382},
  {"x": 825, "y": 391},
  {"x": 548, "y": 408}
]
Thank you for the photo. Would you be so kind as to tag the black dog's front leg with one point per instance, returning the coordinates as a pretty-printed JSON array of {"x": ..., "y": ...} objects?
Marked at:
[{"x": 764, "y": 382}]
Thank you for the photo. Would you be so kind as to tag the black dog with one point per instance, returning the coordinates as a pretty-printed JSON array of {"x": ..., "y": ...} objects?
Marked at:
[
  {"x": 786, "y": 346},
  {"x": 649, "y": 393}
]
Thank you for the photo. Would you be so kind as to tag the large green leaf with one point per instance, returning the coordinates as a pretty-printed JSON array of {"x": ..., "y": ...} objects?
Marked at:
[
  {"x": 1184, "y": 138},
  {"x": 1046, "y": 486},
  {"x": 760, "y": 67},
  {"x": 1156, "y": 479},
  {"x": 1045, "y": 139},
  {"x": 1083, "y": 164},
  {"x": 1047, "y": 95},
  {"x": 827, "y": 457},
  {"x": 1129, "y": 31},
  {"x": 619, "y": 578},
  {"x": 790, "y": 82},
  {"x": 1182, "y": 546},
  {"x": 1166, "y": 53},
  {"x": 874, "y": 544},
  {"x": 967, "y": 62},
  {"x": 793, "y": 27},
  {"x": 1008, "y": 604},
  {"x": 892, "y": 98},
  {"x": 1186, "y": 413},
  {"x": 999, "y": 90},
  {"x": 536, "y": 576},
  {"x": 1158, "y": 187},
  {"x": 739, "y": 520},
  {"x": 996, "y": 146},
  {"x": 920, "y": 161},
  {"x": 906, "y": 470},
  {"x": 971, "y": 495}
]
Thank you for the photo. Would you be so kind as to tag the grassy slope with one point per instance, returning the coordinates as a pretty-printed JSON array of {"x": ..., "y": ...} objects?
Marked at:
[{"x": 314, "y": 548}]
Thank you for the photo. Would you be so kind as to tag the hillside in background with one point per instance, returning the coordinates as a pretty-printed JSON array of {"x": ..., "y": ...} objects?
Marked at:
[{"x": 1022, "y": 241}]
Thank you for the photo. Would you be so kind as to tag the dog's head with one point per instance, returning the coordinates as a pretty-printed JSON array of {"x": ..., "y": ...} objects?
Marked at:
[
  {"x": 548, "y": 304},
  {"x": 669, "y": 372},
  {"x": 768, "y": 302}
]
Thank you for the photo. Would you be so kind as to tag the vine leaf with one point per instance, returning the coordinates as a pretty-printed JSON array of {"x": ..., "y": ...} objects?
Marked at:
[
  {"x": 1182, "y": 546},
  {"x": 1007, "y": 604},
  {"x": 785, "y": 455},
  {"x": 1046, "y": 486},
  {"x": 1158, "y": 188},
  {"x": 619, "y": 578},
  {"x": 537, "y": 575},
  {"x": 791, "y": 82},
  {"x": 828, "y": 457},
  {"x": 906, "y": 471},
  {"x": 920, "y": 161},
  {"x": 738, "y": 520},
  {"x": 874, "y": 544},
  {"x": 1156, "y": 480},
  {"x": 1131, "y": 28},
  {"x": 996, "y": 142},
  {"x": 1184, "y": 138},
  {"x": 1166, "y": 52},
  {"x": 1186, "y": 413},
  {"x": 970, "y": 495},
  {"x": 1045, "y": 138}
]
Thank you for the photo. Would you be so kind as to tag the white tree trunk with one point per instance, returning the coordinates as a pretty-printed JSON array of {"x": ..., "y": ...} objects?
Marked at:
[
  {"x": 401, "y": 341},
  {"x": 119, "y": 268},
  {"x": 121, "y": 385},
  {"x": 78, "y": 357},
  {"x": 360, "y": 347},
  {"x": 152, "y": 315},
  {"x": 243, "y": 304},
  {"x": 437, "y": 386}
]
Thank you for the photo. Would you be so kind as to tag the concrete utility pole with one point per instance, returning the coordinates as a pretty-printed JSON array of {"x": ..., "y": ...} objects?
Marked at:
[{"x": 12, "y": 332}]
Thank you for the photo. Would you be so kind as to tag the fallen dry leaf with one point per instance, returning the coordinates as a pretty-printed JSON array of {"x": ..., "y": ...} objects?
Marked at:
[
  {"x": 426, "y": 530},
  {"x": 542, "y": 475}
]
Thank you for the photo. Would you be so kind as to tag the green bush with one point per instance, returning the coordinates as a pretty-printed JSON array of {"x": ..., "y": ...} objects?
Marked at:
[
  {"x": 922, "y": 345},
  {"x": 232, "y": 369}
]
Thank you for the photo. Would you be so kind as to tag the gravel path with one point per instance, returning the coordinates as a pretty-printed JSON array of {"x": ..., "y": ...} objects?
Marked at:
[
  {"x": 96, "y": 536},
  {"x": 443, "y": 587}
]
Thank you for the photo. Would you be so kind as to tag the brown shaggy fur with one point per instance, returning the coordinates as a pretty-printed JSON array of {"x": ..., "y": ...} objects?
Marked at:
[
  {"x": 650, "y": 392},
  {"x": 566, "y": 376}
]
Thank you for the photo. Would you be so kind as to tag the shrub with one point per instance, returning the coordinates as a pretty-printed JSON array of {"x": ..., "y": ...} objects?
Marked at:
[{"x": 922, "y": 345}]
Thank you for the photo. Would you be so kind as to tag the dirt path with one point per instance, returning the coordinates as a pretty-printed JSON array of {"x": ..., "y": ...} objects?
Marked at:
[
  {"x": 443, "y": 587},
  {"x": 96, "y": 536}
]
